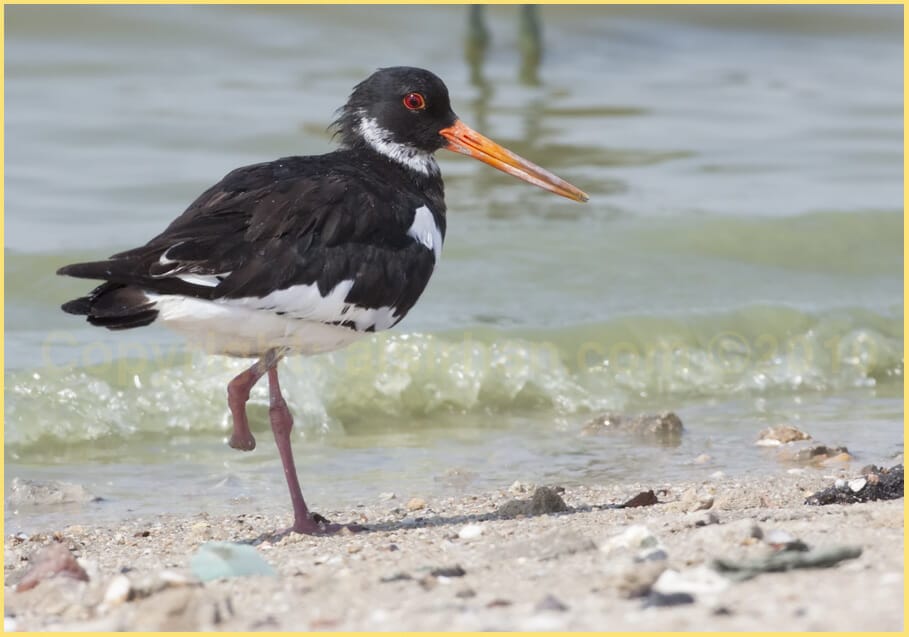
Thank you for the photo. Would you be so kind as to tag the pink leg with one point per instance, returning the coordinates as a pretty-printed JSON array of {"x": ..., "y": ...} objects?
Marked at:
[
  {"x": 281, "y": 425},
  {"x": 237, "y": 396}
]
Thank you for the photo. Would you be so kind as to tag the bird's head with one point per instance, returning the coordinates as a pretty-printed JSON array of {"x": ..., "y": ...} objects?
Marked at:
[{"x": 404, "y": 114}]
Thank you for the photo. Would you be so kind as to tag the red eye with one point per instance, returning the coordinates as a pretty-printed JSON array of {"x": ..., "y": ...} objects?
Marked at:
[{"x": 414, "y": 101}]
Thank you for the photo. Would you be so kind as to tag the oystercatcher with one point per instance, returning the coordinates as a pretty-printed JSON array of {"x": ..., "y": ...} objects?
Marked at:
[{"x": 305, "y": 254}]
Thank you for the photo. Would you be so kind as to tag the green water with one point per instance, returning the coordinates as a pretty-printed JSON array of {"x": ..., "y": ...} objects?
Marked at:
[{"x": 740, "y": 260}]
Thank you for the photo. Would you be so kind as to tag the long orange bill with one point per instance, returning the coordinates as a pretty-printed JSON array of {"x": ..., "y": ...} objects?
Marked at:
[{"x": 463, "y": 139}]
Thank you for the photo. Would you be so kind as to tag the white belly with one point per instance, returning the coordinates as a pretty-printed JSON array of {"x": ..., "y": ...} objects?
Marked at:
[{"x": 237, "y": 330}]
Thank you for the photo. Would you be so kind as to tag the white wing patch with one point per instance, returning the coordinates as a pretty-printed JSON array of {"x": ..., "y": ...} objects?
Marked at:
[
  {"x": 307, "y": 303},
  {"x": 425, "y": 230},
  {"x": 205, "y": 280}
]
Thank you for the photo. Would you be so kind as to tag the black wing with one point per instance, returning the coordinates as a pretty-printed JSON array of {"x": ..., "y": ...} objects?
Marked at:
[{"x": 270, "y": 226}]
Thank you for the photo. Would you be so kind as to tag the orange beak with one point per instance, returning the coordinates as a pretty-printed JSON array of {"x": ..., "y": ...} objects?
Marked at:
[{"x": 463, "y": 139}]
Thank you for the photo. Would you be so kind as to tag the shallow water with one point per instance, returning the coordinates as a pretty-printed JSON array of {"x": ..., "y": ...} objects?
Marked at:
[{"x": 740, "y": 260}]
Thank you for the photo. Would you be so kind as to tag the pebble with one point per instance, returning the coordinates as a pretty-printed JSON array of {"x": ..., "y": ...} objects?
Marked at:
[
  {"x": 637, "y": 580},
  {"x": 416, "y": 504},
  {"x": 387, "y": 495},
  {"x": 701, "y": 518},
  {"x": 517, "y": 487},
  {"x": 635, "y": 537},
  {"x": 784, "y": 541},
  {"x": 448, "y": 571},
  {"x": 117, "y": 591},
  {"x": 858, "y": 484},
  {"x": 779, "y": 435},
  {"x": 700, "y": 580},
  {"x": 665, "y": 427},
  {"x": 470, "y": 532},
  {"x": 703, "y": 459},
  {"x": 53, "y": 560},
  {"x": 643, "y": 499},
  {"x": 551, "y": 602},
  {"x": 545, "y": 500},
  {"x": 691, "y": 500},
  {"x": 664, "y": 600}
]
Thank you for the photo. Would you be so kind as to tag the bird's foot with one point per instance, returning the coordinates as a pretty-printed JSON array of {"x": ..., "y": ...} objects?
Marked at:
[
  {"x": 244, "y": 441},
  {"x": 316, "y": 524}
]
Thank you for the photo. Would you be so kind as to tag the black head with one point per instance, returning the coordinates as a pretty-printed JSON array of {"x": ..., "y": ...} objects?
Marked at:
[
  {"x": 404, "y": 114},
  {"x": 397, "y": 107}
]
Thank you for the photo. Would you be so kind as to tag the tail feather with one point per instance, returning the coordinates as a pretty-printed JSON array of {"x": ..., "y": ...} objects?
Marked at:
[
  {"x": 113, "y": 305},
  {"x": 89, "y": 270}
]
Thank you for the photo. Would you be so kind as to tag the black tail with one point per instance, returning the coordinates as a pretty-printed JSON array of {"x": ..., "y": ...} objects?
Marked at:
[{"x": 112, "y": 305}]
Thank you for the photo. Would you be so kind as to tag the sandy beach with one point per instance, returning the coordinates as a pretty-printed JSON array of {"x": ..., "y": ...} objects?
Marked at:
[{"x": 463, "y": 564}]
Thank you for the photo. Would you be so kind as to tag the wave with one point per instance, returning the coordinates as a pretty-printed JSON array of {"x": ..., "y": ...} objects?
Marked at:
[{"x": 401, "y": 381}]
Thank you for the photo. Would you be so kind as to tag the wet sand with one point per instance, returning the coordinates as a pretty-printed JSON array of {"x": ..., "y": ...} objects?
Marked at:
[{"x": 457, "y": 564}]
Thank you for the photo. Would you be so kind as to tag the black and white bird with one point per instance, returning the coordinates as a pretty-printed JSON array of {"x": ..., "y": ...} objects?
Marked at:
[{"x": 304, "y": 255}]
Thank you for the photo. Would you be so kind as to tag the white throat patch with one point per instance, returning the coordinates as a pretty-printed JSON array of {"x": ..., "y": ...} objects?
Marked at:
[{"x": 381, "y": 141}]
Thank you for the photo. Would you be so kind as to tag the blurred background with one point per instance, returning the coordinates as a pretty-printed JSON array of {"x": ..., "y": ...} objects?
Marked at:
[{"x": 740, "y": 261}]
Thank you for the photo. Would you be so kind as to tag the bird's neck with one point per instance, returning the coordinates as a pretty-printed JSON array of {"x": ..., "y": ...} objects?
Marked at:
[
  {"x": 428, "y": 184},
  {"x": 382, "y": 142}
]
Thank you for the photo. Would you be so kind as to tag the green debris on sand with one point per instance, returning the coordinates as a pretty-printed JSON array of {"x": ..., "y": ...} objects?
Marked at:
[
  {"x": 216, "y": 560},
  {"x": 786, "y": 561}
]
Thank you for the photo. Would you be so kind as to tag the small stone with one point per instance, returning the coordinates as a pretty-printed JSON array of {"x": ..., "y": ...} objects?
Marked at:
[
  {"x": 637, "y": 580},
  {"x": 53, "y": 560},
  {"x": 397, "y": 577},
  {"x": 665, "y": 428},
  {"x": 692, "y": 500},
  {"x": 840, "y": 484},
  {"x": 117, "y": 591},
  {"x": 778, "y": 536},
  {"x": 815, "y": 454},
  {"x": 514, "y": 508},
  {"x": 547, "y": 500},
  {"x": 643, "y": 499},
  {"x": 470, "y": 532},
  {"x": 499, "y": 603},
  {"x": 387, "y": 495},
  {"x": 466, "y": 593},
  {"x": 634, "y": 538},
  {"x": 173, "y": 578},
  {"x": 858, "y": 484},
  {"x": 517, "y": 487},
  {"x": 448, "y": 571},
  {"x": 664, "y": 600},
  {"x": 698, "y": 519},
  {"x": 551, "y": 602},
  {"x": 702, "y": 459},
  {"x": 655, "y": 554},
  {"x": 700, "y": 580},
  {"x": 780, "y": 435},
  {"x": 416, "y": 504}
]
